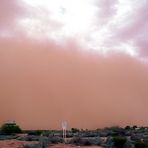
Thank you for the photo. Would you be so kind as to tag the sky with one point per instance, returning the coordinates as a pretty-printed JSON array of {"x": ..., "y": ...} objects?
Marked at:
[{"x": 80, "y": 61}]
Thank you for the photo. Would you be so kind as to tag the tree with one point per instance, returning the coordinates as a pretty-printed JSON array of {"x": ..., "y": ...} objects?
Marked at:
[
  {"x": 10, "y": 128},
  {"x": 74, "y": 130},
  {"x": 127, "y": 127},
  {"x": 135, "y": 126}
]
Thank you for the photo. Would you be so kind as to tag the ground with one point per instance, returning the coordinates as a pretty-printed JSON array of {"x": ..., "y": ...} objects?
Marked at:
[
  {"x": 17, "y": 143},
  {"x": 13, "y": 143}
]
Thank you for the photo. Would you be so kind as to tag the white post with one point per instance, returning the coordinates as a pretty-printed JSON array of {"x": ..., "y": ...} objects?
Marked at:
[{"x": 64, "y": 126}]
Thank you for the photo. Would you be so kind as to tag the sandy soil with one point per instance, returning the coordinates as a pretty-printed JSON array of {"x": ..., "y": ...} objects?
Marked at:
[{"x": 13, "y": 143}]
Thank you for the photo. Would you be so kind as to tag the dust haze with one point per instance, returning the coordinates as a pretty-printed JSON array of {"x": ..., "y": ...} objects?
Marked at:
[{"x": 42, "y": 84}]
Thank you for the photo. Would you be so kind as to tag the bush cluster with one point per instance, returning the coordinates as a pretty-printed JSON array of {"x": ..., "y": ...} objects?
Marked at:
[{"x": 10, "y": 128}]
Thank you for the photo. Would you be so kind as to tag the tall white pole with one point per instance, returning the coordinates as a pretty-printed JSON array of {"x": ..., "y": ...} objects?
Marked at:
[{"x": 64, "y": 127}]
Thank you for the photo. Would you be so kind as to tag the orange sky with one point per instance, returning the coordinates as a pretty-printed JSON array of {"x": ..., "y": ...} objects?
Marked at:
[{"x": 82, "y": 61}]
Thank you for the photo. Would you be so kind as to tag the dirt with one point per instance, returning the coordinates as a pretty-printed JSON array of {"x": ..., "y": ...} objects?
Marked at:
[
  {"x": 13, "y": 143},
  {"x": 18, "y": 143}
]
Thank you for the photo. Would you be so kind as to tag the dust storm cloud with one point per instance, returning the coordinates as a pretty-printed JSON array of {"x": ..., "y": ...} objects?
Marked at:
[{"x": 43, "y": 84}]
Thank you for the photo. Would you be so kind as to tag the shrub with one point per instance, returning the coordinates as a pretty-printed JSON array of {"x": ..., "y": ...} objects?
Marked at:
[
  {"x": 56, "y": 139},
  {"x": 127, "y": 127},
  {"x": 140, "y": 145},
  {"x": 35, "y": 132},
  {"x": 43, "y": 143},
  {"x": 135, "y": 126},
  {"x": 119, "y": 141},
  {"x": 38, "y": 132},
  {"x": 76, "y": 141},
  {"x": 29, "y": 138},
  {"x": 10, "y": 128},
  {"x": 74, "y": 130},
  {"x": 85, "y": 141}
]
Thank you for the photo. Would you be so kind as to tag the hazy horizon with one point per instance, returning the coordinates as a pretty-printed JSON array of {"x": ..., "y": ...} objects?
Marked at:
[{"x": 59, "y": 62}]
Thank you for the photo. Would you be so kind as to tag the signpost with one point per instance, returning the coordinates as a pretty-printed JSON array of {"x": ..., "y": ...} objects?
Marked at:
[{"x": 64, "y": 127}]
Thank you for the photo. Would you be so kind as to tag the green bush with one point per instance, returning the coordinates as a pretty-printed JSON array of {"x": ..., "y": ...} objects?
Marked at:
[
  {"x": 74, "y": 130},
  {"x": 127, "y": 127},
  {"x": 140, "y": 145},
  {"x": 10, "y": 128},
  {"x": 35, "y": 132},
  {"x": 119, "y": 141}
]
